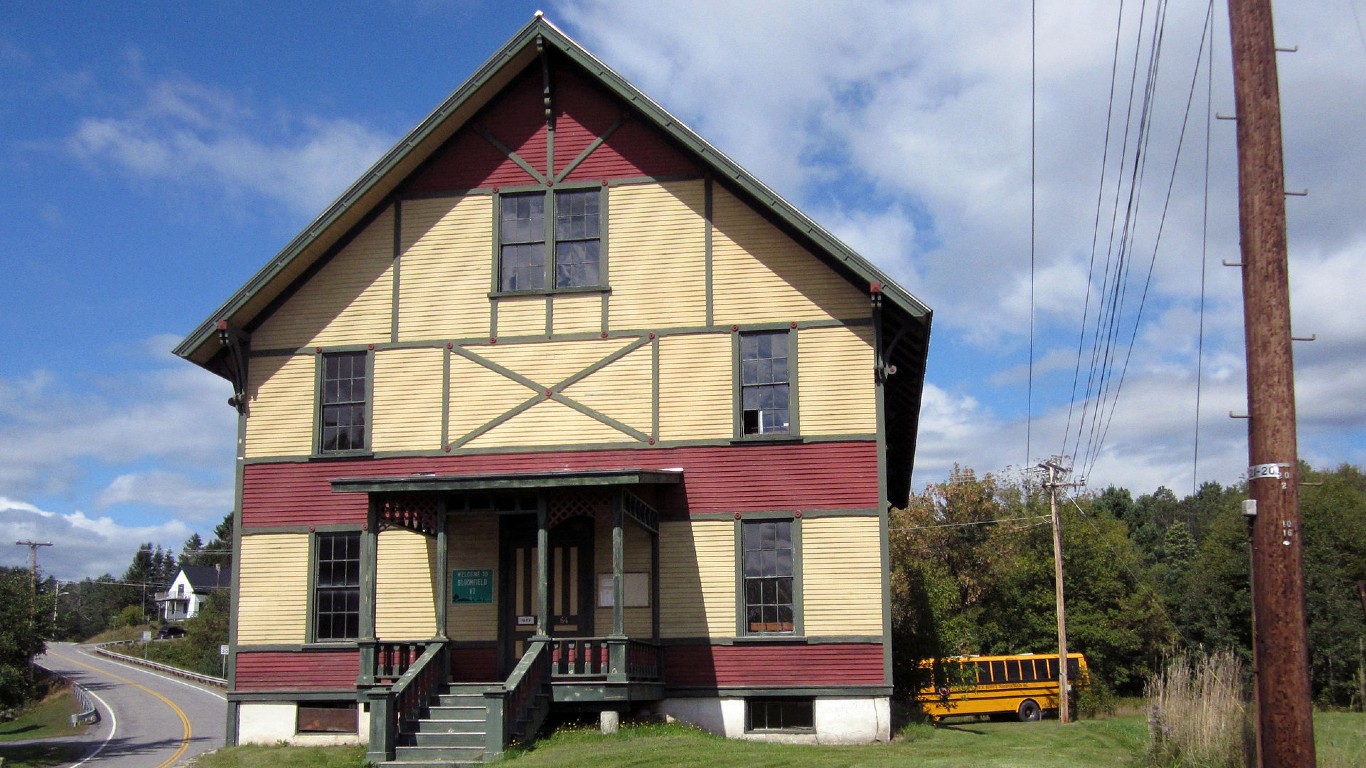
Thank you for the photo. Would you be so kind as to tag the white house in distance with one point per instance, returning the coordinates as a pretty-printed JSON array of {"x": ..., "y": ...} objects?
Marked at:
[{"x": 190, "y": 588}]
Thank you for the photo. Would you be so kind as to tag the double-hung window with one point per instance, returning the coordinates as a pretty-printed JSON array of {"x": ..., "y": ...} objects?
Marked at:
[
  {"x": 343, "y": 401},
  {"x": 765, "y": 383},
  {"x": 558, "y": 248},
  {"x": 336, "y": 587},
  {"x": 768, "y": 577}
]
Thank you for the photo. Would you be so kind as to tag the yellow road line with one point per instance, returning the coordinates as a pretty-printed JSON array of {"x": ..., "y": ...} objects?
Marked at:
[{"x": 180, "y": 713}]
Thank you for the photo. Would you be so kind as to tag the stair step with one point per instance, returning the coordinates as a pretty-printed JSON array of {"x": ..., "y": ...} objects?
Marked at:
[
  {"x": 438, "y": 755},
  {"x": 430, "y": 739},
  {"x": 450, "y": 726}
]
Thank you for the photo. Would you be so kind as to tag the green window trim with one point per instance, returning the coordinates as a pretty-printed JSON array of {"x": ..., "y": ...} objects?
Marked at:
[
  {"x": 335, "y": 564},
  {"x": 768, "y": 577},
  {"x": 344, "y": 402},
  {"x": 550, "y": 240},
  {"x": 764, "y": 383}
]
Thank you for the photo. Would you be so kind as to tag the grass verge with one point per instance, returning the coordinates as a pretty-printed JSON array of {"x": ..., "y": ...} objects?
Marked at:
[
  {"x": 282, "y": 757},
  {"x": 49, "y": 719}
]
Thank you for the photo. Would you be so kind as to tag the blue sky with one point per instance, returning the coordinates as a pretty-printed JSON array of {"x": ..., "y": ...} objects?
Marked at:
[{"x": 159, "y": 153}]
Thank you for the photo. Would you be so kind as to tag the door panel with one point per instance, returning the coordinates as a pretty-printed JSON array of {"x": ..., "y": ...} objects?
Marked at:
[{"x": 568, "y": 589}]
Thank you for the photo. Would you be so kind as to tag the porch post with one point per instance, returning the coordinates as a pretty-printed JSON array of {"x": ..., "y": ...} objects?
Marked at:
[
  {"x": 369, "y": 565},
  {"x": 654, "y": 584},
  {"x": 443, "y": 576},
  {"x": 616, "y": 648},
  {"x": 542, "y": 572}
]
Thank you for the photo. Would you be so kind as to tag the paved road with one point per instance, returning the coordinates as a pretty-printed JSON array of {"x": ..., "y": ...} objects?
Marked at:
[{"x": 146, "y": 720}]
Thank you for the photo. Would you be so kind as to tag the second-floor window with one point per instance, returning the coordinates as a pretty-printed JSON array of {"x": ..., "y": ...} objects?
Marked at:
[
  {"x": 336, "y": 585},
  {"x": 765, "y": 383},
  {"x": 343, "y": 402},
  {"x": 572, "y": 227}
]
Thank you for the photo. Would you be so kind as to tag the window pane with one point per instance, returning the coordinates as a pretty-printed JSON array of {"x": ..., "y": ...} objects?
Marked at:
[{"x": 764, "y": 382}]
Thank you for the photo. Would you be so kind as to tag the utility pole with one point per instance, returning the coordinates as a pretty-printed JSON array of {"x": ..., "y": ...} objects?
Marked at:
[
  {"x": 33, "y": 560},
  {"x": 1285, "y": 728},
  {"x": 1053, "y": 484}
]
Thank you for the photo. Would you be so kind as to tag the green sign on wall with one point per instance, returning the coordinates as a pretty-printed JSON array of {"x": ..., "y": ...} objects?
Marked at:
[{"x": 472, "y": 586}]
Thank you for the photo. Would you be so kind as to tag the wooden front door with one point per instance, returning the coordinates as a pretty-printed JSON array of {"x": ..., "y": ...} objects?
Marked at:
[{"x": 569, "y": 587}]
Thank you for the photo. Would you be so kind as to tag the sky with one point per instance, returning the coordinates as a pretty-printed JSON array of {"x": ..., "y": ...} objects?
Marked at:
[{"x": 158, "y": 154}]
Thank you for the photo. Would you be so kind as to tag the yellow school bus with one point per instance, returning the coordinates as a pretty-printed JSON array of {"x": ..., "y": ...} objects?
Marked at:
[{"x": 1023, "y": 685}]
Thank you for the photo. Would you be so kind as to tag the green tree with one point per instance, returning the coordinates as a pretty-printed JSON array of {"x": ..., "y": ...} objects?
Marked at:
[
  {"x": 1333, "y": 508},
  {"x": 20, "y": 638}
]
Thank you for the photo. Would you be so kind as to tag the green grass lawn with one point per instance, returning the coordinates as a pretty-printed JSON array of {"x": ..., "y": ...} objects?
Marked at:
[
  {"x": 47, "y": 720},
  {"x": 1118, "y": 741}
]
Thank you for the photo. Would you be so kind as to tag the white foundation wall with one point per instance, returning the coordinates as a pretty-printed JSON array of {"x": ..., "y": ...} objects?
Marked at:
[
  {"x": 838, "y": 720},
  {"x": 274, "y": 722}
]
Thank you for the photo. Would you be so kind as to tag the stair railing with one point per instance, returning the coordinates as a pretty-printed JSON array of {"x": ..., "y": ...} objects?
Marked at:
[
  {"x": 393, "y": 704},
  {"x": 517, "y": 708}
]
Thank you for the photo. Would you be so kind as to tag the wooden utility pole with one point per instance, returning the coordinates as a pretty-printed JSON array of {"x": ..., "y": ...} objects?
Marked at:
[
  {"x": 33, "y": 560},
  {"x": 1053, "y": 484},
  {"x": 1285, "y": 729}
]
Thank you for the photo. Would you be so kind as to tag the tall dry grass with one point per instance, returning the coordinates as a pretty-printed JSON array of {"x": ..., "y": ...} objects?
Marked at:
[{"x": 1197, "y": 714}]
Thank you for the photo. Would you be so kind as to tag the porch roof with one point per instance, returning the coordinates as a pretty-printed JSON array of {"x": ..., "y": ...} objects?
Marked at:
[{"x": 567, "y": 478}]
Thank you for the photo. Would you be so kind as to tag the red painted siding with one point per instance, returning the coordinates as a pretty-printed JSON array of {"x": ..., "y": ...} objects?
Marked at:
[
  {"x": 516, "y": 118},
  {"x": 297, "y": 670},
  {"x": 715, "y": 479},
  {"x": 474, "y": 665},
  {"x": 838, "y": 664}
]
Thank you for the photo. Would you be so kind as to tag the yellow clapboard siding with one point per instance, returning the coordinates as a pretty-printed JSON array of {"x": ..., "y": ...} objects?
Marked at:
[
  {"x": 835, "y": 381},
  {"x": 760, "y": 274},
  {"x": 576, "y": 313},
  {"x": 657, "y": 265},
  {"x": 521, "y": 316},
  {"x": 281, "y": 396},
  {"x": 697, "y": 578},
  {"x": 349, "y": 300},
  {"x": 472, "y": 543},
  {"x": 842, "y": 576},
  {"x": 445, "y": 266},
  {"x": 636, "y": 559},
  {"x": 695, "y": 398},
  {"x": 272, "y": 590},
  {"x": 549, "y": 363},
  {"x": 404, "y": 598},
  {"x": 548, "y": 423},
  {"x": 480, "y": 395},
  {"x": 407, "y": 399},
  {"x": 622, "y": 390}
]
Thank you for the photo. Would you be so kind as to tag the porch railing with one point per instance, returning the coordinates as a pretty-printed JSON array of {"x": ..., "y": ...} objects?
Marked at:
[
  {"x": 581, "y": 657},
  {"x": 392, "y": 703},
  {"x": 517, "y": 708}
]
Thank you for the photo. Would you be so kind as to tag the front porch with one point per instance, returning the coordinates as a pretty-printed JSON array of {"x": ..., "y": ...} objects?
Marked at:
[{"x": 506, "y": 652}]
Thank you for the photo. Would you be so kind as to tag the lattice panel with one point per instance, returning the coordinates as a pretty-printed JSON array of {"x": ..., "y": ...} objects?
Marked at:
[
  {"x": 568, "y": 505},
  {"x": 414, "y": 512}
]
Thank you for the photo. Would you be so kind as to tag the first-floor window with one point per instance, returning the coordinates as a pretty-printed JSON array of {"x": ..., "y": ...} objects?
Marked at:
[
  {"x": 779, "y": 715},
  {"x": 336, "y": 591},
  {"x": 768, "y": 576}
]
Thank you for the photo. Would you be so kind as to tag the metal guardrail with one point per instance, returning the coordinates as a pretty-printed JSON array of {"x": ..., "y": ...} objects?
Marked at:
[
  {"x": 88, "y": 714},
  {"x": 103, "y": 650}
]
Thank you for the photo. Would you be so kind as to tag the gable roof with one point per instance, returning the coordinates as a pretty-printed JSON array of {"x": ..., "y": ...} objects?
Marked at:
[
  {"x": 206, "y": 577},
  {"x": 373, "y": 188}
]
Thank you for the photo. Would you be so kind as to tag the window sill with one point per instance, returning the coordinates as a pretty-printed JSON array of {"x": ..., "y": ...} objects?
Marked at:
[
  {"x": 548, "y": 292},
  {"x": 757, "y": 639},
  {"x": 366, "y": 454},
  {"x": 785, "y": 437},
  {"x": 331, "y": 645}
]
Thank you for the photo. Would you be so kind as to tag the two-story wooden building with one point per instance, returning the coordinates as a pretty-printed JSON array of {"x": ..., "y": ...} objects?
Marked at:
[{"x": 558, "y": 407}]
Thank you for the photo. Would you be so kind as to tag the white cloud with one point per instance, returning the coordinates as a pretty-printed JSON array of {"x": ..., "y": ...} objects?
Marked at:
[
  {"x": 189, "y": 133},
  {"x": 81, "y": 546},
  {"x": 55, "y": 434},
  {"x": 169, "y": 490}
]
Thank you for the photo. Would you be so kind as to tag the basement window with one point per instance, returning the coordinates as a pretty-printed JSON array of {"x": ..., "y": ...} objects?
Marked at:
[
  {"x": 327, "y": 717},
  {"x": 779, "y": 715}
]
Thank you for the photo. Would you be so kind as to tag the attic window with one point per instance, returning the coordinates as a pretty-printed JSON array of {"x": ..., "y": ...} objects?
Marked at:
[{"x": 572, "y": 224}]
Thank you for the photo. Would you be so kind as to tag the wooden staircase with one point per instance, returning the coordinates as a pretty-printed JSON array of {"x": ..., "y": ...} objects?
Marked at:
[{"x": 452, "y": 731}]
